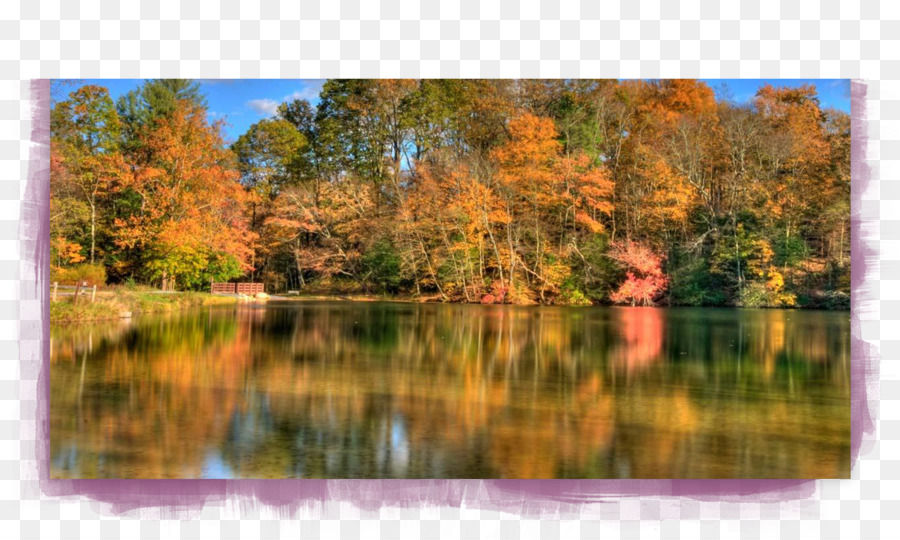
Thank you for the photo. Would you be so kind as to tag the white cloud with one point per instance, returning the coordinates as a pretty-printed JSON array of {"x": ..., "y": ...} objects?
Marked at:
[
  {"x": 269, "y": 107},
  {"x": 264, "y": 106},
  {"x": 309, "y": 92}
]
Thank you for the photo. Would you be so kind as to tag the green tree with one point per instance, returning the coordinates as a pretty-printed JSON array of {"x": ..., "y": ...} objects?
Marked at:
[
  {"x": 85, "y": 144},
  {"x": 152, "y": 101},
  {"x": 270, "y": 156},
  {"x": 381, "y": 266}
]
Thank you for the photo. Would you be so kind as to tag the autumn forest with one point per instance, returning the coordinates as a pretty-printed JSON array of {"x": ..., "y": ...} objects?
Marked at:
[{"x": 570, "y": 192}]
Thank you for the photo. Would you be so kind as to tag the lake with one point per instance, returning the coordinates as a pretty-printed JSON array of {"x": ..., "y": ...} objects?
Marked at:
[{"x": 391, "y": 390}]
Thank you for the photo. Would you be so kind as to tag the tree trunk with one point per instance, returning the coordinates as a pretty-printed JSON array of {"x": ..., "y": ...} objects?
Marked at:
[
  {"x": 496, "y": 252},
  {"x": 737, "y": 259},
  {"x": 93, "y": 229},
  {"x": 841, "y": 249},
  {"x": 299, "y": 265}
]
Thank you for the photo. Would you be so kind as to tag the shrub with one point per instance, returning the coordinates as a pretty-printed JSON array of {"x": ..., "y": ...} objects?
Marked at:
[
  {"x": 836, "y": 300},
  {"x": 754, "y": 295},
  {"x": 759, "y": 295},
  {"x": 522, "y": 296},
  {"x": 645, "y": 280},
  {"x": 382, "y": 265},
  {"x": 574, "y": 297},
  {"x": 571, "y": 293},
  {"x": 592, "y": 271},
  {"x": 92, "y": 273},
  {"x": 498, "y": 294},
  {"x": 692, "y": 284}
]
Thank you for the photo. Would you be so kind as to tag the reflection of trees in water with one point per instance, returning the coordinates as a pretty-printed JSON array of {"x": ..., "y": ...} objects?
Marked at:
[
  {"x": 679, "y": 436},
  {"x": 152, "y": 399},
  {"x": 642, "y": 330},
  {"x": 382, "y": 390}
]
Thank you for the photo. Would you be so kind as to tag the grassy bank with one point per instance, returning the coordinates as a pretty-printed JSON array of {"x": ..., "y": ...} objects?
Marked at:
[{"x": 113, "y": 304}]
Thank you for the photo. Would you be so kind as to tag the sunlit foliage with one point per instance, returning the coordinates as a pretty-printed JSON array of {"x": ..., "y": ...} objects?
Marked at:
[{"x": 510, "y": 191}]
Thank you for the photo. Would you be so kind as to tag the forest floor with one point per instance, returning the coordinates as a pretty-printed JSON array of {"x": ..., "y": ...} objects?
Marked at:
[{"x": 121, "y": 303}]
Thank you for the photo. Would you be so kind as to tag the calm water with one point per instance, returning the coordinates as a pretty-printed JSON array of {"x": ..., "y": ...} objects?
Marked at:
[{"x": 381, "y": 390}]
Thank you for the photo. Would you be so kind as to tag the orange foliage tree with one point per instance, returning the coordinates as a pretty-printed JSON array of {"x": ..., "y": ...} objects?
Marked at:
[
  {"x": 189, "y": 221},
  {"x": 799, "y": 151},
  {"x": 466, "y": 190},
  {"x": 542, "y": 188}
]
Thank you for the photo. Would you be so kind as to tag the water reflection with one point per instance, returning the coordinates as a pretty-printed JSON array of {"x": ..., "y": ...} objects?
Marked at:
[{"x": 378, "y": 390}]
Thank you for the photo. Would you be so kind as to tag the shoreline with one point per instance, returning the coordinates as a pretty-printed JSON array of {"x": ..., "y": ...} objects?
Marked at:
[
  {"x": 431, "y": 300},
  {"x": 116, "y": 305}
]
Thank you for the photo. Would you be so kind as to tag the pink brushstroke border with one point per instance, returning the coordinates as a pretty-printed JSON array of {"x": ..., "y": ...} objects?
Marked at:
[{"x": 528, "y": 498}]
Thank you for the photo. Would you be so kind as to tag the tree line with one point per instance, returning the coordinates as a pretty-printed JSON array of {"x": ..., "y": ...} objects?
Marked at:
[{"x": 491, "y": 191}]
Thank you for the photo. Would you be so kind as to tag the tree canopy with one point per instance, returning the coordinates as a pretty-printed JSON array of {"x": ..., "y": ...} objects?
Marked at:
[{"x": 547, "y": 191}]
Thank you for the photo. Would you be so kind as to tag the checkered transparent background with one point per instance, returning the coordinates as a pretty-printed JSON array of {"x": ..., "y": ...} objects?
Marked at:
[{"x": 352, "y": 38}]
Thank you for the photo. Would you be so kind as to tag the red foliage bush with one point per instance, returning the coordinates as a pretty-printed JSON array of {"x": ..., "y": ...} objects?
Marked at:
[
  {"x": 645, "y": 280},
  {"x": 497, "y": 294}
]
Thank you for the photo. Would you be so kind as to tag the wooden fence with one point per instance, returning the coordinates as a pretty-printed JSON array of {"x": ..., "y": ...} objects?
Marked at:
[
  {"x": 236, "y": 288},
  {"x": 79, "y": 289},
  {"x": 250, "y": 288},
  {"x": 219, "y": 288}
]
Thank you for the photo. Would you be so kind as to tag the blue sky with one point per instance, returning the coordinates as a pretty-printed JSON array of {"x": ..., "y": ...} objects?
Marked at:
[
  {"x": 832, "y": 92},
  {"x": 244, "y": 102},
  {"x": 240, "y": 102}
]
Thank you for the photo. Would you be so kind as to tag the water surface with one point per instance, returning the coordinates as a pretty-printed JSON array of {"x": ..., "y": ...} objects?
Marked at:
[{"x": 386, "y": 390}]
